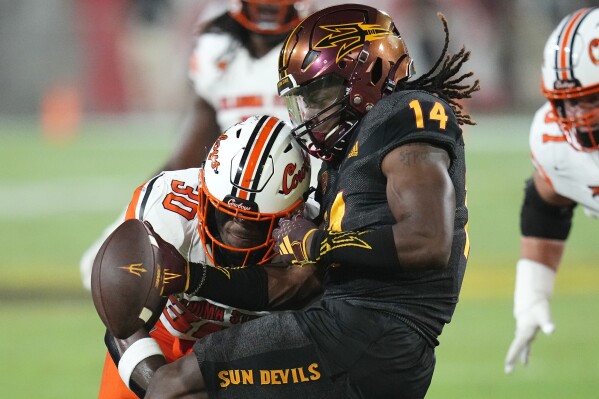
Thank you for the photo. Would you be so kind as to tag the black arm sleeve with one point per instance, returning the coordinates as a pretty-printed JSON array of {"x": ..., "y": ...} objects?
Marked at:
[
  {"x": 373, "y": 249},
  {"x": 542, "y": 220},
  {"x": 245, "y": 288}
]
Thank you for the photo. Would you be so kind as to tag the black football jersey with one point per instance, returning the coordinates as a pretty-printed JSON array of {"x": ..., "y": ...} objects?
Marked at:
[{"x": 354, "y": 198}]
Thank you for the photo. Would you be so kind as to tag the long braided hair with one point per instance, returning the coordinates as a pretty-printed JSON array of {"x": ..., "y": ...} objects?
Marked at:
[{"x": 441, "y": 84}]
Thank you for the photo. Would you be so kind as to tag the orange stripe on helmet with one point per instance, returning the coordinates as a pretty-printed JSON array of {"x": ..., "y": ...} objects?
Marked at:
[
  {"x": 566, "y": 39},
  {"x": 252, "y": 162}
]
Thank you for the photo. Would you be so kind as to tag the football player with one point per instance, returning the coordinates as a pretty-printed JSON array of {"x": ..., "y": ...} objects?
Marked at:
[
  {"x": 233, "y": 72},
  {"x": 218, "y": 216},
  {"x": 233, "y": 69},
  {"x": 393, "y": 244},
  {"x": 564, "y": 145}
]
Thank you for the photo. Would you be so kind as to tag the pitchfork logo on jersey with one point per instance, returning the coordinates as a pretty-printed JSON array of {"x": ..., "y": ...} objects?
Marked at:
[
  {"x": 343, "y": 239},
  {"x": 350, "y": 36},
  {"x": 594, "y": 190}
]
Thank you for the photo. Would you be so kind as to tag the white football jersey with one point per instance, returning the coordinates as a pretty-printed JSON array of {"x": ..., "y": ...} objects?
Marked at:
[
  {"x": 169, "y": 202},
  {"x": 236, "y": 85},
  {"x": 573, "y": 174}
]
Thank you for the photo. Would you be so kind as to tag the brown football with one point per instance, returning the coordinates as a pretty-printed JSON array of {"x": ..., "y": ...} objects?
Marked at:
[{"x": 127, "y": 280}]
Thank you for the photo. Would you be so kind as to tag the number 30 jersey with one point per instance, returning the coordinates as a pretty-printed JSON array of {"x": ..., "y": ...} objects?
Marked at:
[{"x": 169, "y": 202}]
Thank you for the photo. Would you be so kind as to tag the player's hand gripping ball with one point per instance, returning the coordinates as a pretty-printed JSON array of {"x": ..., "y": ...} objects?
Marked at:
[
  {"x": 291, "y": 239},
  {"x": 134, "y": 272}
]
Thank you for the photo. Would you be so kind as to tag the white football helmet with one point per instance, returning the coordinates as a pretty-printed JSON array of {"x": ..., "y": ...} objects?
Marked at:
[
  {"x": 269, "y": 16},
  {"x": 570, "y": 77},
  {"x": 255, "y": 174}
]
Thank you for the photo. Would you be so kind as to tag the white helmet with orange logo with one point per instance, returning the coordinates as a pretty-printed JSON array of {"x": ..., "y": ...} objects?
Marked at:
[
  {"x": 570, "y": 74},
  {"x": 255, "y": 173}
]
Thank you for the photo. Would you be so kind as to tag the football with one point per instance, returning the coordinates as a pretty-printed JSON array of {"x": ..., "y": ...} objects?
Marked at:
[{"x": 128, "y": 278}]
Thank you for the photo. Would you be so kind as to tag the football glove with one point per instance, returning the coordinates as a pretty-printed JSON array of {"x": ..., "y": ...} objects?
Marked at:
[
  {"x": 175, "y": 268},
  {"x": 534, "y": 287},
  {"x": 291, "y": 239}
]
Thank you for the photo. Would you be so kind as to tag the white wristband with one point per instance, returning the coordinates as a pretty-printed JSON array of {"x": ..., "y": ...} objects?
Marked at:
[
  {"x": 138, "y": 351},
  {"x": 534, "y": 281}
]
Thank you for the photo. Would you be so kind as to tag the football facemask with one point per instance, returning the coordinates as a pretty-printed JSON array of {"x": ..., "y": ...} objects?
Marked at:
[{"x": 320, "y": 115}]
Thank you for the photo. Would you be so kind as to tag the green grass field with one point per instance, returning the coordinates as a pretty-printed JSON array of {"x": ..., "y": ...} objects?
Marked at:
[{"x": 57, "y": 196}]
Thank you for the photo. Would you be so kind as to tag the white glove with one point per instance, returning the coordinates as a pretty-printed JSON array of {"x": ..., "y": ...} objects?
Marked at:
[{"x": 534, "y": 287}]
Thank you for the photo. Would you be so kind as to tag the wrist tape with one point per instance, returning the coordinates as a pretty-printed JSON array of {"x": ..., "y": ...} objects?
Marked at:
[
  {"x": 356, "y": 249},
  {"x": 138, "y": 351}
]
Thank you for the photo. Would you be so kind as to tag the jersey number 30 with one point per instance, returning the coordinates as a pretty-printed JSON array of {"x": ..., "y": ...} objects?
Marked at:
[{"x": 182, "y": 200}]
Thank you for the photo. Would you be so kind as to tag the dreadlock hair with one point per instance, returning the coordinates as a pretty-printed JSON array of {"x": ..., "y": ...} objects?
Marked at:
[{"x": 441, "y": 84}]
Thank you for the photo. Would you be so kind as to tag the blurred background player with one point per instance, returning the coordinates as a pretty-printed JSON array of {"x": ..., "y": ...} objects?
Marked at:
[
  {"x": 233, "y": 72},
  {"x": 564, "y": 144},
  {"x": 232, "y": 69},
  {"x": 221, "y": 214}
]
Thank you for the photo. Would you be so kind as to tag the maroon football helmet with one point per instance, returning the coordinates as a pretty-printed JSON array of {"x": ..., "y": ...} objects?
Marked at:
[
  {"x": 269, "y": 16},
  {"x": 333, "y": 67}
]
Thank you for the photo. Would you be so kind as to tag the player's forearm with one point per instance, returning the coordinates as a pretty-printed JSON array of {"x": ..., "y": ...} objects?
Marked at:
[
  {"x": 376, "y": 250},
  {"x": 181, "y": 379},
  {"x": 142, "y": 373},
  {"x": 292, "y": 287},
  {"x": 245, "y": 288},
  {"x": 265, "y": 287},
  {"x": 137, "y": 359},
  {"x": 549, "y": 252}
]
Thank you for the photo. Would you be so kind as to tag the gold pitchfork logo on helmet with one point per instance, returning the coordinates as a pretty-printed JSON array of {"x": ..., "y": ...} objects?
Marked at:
[{"x": 350, "y": 36}]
